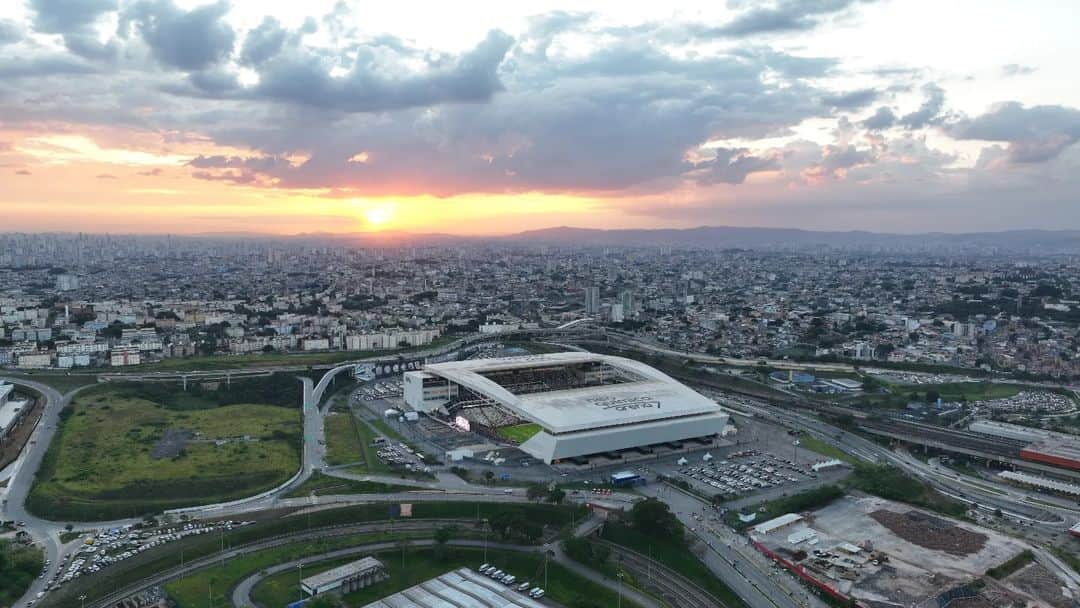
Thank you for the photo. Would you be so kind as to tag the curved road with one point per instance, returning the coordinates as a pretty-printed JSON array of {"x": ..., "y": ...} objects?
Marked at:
[
  {"x": 241, "y": 595},
  {"x": 25, "y": 468}
]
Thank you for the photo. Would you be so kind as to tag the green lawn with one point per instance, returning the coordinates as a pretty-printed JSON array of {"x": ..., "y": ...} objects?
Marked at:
[
  {"x": 343, "y": 444},
  {"x": 796, "y": 503},
  {"x": 99, "y": 466},
  {"x": 816, "y": 445},
  {"x": 899, "y": 395},
  {"x": 421, "y": 564},
  {"x": 387, "y": 430},
  {"x": 19, "y": 566},
  {"x": 324, "y": 485},
  {"x": 519, "y": 433}
]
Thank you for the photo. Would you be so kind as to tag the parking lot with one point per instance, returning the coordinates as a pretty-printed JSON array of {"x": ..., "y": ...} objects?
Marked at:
[
  {"x": 101, "y": 549},
  {"x": 379, "y": 389},
  {"x": 748, "y": 472}
]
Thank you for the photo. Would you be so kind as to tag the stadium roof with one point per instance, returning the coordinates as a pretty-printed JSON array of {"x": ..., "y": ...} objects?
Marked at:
[{"x": 656, "y": 396}]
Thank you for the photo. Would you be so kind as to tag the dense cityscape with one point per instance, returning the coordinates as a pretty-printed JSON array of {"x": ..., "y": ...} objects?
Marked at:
[{"x": 67, "y": 302}]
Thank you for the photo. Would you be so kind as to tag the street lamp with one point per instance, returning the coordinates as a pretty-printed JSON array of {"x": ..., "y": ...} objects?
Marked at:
[
  {"x": 82, "y": 599},
  {"x": 301, "y": 567},
  {"x": 620, "y": 575}
]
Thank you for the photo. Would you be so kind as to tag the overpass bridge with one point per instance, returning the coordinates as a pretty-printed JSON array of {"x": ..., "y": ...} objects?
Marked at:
[{"x": 998, "y": 450}]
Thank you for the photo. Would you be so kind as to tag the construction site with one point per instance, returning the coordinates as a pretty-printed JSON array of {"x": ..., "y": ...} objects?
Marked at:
[{"x": 880, "y": 553}]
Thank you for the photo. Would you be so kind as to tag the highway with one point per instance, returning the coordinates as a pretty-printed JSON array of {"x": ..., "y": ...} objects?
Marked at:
[
  {"x": 747, "y": 572},
  {"x": 46, "y": 533}
]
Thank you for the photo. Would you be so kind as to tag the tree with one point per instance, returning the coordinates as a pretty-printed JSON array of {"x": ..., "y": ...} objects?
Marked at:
[
  {"x": 535, "y": 491},
  {"x": 489, "y": 476},
  {"x": 654, "y": 518},
  {"x": 556, "y": 496},
  {"x": 442, "y": 535}
]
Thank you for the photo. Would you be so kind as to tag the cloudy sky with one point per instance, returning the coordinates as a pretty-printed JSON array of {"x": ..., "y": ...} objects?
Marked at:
[{"x": 188, "y": 116}]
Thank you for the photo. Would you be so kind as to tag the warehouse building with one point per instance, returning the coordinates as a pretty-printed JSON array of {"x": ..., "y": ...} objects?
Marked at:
[
  {"x": 1059, "y": 452},
  {"x": 461, "y": 588},
  {"x": 565, "y": 405},
  {"x": 350, "y": 577}
]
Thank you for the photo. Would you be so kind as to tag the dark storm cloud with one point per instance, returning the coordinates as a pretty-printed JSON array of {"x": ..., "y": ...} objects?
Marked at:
[
  {"x": 186, "y": 40},
  {"x": 1034, "y": 134},
  {"x": 883, "y": 118},
  {"x": 789, "y": 66},
  {"x": 733, "y": 165},
  {"x": 929, "y": 112},
  {"x": 74, "y": 20},
  {"x": 851, "y": 100},
  {"x": 263, "y": 42},
  {"x": 303, "y": 77},
  {"x": 781, "y": 16},
  {"x": 43, "y": 66},
  {"x": 64, "y": 16}
]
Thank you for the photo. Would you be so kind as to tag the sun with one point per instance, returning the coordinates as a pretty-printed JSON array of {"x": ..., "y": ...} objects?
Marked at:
[{"x": 379, "y": 216}]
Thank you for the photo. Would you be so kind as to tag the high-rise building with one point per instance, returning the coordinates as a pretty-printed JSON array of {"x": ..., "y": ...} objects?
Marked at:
[
  {"x": 626, "y": 298},
  {"x": 617, "y": 313},
  {"x": 592, "y": 300}
]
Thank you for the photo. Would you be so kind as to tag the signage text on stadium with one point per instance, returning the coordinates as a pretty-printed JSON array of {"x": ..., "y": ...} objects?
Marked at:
[{"x": 622, "y": 404}]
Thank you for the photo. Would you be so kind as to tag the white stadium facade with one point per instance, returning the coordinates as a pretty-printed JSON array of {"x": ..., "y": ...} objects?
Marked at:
[{"x": 565, "y": 405}]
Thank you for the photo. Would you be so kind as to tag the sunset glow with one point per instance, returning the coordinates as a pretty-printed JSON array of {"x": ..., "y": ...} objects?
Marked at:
[{"x": 529, "y": 116}]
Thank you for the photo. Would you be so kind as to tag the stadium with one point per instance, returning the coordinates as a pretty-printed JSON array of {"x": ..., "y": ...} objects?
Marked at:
[{"x": 565, "y": 405}]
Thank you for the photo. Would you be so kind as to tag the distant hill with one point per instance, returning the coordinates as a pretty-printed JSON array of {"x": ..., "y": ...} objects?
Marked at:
[
  {"x": 1039, "y": 242},
  {"x": 724, "y": 237}
]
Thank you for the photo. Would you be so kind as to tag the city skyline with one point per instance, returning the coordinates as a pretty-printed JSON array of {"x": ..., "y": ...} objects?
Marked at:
[{"x": 189, "y": 117}]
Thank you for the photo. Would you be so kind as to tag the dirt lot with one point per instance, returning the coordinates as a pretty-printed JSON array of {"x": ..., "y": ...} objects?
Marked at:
[
  {"x": 1038, "y": 582},
  {"x": 887, "y": 554},
  {"x": 931, "y": 532}
]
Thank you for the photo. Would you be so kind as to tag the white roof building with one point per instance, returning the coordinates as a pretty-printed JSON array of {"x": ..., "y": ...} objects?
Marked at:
[
  {"x": 584, "y": 403},
  {"x": 461, "y": 588},
  {"x": 777, "y": 523}
]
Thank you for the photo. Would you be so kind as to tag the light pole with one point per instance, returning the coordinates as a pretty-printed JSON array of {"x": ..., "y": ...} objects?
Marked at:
[
  {"x": 82, "y": 599},
  {"x": 301, "y": 568},
  {"x": 620, "y": 576}
]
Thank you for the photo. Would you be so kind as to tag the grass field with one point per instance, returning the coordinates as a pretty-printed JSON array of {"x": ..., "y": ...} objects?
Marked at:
[
  {"x": 18, "y": 568},
  {"x": 99, "y": 466},
  {"x": 519, "y": 433},
  {"x": 387, "y": 430},
  {"x": 343, "y": 444},
  {"x": 421, "y": 564},
  {"x": 816, "y": 445},
  {"x": 323, "y": 485},
  {"x": 900, "y": 394}
]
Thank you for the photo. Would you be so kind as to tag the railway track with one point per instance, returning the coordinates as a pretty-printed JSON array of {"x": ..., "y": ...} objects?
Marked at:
[
  {"x": 670, "y": 587},
  {"x": 960, "y": 439},
  {"x": 194, "y": 565}
]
